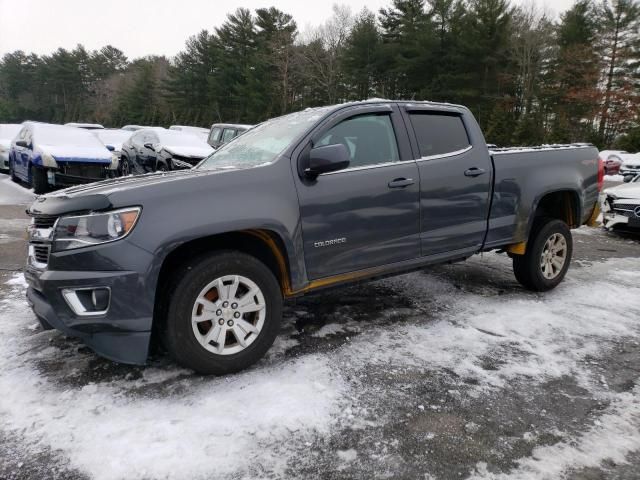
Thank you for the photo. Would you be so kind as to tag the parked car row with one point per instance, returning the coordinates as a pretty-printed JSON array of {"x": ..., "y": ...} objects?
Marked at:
[
  {"x": 47, "y": 156},
  {"x": 153, "y": 149},
  {"x": 620, "y": 162}
]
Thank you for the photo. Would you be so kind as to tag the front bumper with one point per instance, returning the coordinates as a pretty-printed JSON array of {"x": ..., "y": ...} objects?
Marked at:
[
  {"x": 621, "y": 216},
  {"x": 123, "y": 332}
]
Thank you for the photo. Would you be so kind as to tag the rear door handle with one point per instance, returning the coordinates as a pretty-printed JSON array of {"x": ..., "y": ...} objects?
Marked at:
[
  {"x": 474, "y": 172},
  {"x": 401, "y": 182}
]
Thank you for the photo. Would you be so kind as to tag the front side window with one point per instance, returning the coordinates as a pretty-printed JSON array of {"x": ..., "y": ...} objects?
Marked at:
[
  {"x": 214, "y": 136},
  {"x": 439, "y": 133},
  {"x": 370, "y": 139}
]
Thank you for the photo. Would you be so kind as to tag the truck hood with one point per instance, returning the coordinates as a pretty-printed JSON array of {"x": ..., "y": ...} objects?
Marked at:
[
  {"x": 103, "y": 195},
  {"x": 191, "y": 152},
  {"x": 77, "y": 154},
  {"x": 628, "y": 190}
]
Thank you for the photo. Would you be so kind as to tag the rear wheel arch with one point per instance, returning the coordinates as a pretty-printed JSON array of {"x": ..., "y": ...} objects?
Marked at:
[{"x": 562, "y": 205}]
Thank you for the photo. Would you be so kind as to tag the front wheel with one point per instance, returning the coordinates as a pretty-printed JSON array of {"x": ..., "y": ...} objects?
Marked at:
[
  {"x": 224, "y": 313},
  {"x": 547, "y": 258},
  {"x": 124, "y": 167},
  {"x": 39, "y": 180}
]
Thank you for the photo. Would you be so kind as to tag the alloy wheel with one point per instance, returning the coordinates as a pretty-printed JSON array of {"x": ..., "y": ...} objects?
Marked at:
[
  {"x": 554, "y": 256},
  {"x": 228, "y": 314}
]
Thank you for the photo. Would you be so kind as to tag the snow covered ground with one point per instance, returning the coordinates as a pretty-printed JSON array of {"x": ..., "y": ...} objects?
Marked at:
[
  {"x": 457, "y": 373},
  {"x": 12, "y": 193}
]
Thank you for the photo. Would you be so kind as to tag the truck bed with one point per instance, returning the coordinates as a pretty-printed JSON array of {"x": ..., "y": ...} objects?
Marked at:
[{"x": 521, "y": 177}]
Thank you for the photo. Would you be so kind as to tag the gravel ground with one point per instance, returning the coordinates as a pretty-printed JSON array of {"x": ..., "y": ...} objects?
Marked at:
[{"x": 454, "y": 372}]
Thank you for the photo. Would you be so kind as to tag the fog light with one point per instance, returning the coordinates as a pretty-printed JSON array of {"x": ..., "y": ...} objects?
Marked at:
[
  {"x": 88, "y": 301},
  {"x": 100, "y": 298}
]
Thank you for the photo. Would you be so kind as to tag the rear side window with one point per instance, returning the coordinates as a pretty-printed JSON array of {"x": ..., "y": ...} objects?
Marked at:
[
  {"x": 228, "y": 134},
  {"x": 438, "y": 134}
]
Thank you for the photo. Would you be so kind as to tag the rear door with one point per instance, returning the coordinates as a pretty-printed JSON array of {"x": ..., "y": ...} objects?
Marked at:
[
  {"x": 455, "y": 180},
  {"x": 228, "y": 134},
  {"x": 367, "y": 214}
]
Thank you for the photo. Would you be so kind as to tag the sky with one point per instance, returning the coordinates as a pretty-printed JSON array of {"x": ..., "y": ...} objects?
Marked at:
[{"x": 144, "y": 27}]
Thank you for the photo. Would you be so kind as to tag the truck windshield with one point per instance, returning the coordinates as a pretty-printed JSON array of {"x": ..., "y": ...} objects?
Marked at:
[{"x": 263, "y": 143}]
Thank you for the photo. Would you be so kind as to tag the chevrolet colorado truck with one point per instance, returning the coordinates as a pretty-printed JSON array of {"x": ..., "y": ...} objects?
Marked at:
[{"x": 204, "y": 258}]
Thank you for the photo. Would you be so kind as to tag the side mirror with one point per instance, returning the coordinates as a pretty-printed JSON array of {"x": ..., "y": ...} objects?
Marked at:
[
  {"x": 149, "y": 146},
  {"x": 111, "y": 148},
  {"x": 22, "y": 143},
  {"x": 628, "y": 178},
  {"x": 329, "y": 158}
]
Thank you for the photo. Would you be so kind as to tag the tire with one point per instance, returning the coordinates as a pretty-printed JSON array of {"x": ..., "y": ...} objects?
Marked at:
[
  {"x": 529, "y": 269},
  {"x": 187, "y": 341},
  {"x": 39, "y": 180},
  {"x": 12, "y": 172},
  {"x": 124, "y": 167}
]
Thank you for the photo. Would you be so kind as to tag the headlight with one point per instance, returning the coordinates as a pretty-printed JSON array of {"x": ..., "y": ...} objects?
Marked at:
[
  {"x": 115, "y": 161},
  {"x": 94, "y": 229},
  {"x": 48, "y": 160}
]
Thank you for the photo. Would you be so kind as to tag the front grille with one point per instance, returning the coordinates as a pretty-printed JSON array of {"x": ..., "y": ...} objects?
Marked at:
[
  {"x": 41, "y": 253},
  {"x": 83, "y": 170},
  {"x": 44, "y": 221},
  {"x": 625, "y": 209}
]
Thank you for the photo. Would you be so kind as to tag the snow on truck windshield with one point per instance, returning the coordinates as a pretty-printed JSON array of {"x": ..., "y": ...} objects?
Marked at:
[{"x": 263, "y": 143}]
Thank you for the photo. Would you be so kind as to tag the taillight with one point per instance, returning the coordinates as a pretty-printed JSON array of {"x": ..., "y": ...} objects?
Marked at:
[{"x": 600, "y": 174}]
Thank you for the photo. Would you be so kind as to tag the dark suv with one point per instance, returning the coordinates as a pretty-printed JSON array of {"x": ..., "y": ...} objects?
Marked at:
[{"x": 222, "y": 133}]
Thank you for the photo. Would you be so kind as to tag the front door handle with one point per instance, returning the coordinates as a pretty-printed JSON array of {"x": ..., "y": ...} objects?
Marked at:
[
  {"x": 401, "y": 182},
  {"x": 474, "y": 172}
]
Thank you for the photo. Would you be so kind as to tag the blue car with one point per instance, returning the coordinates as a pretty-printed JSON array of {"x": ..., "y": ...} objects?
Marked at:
[{"x": 47, "y": 156}]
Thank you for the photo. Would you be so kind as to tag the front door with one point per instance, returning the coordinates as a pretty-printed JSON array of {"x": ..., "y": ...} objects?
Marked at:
[{"x": 366, "y": 215}]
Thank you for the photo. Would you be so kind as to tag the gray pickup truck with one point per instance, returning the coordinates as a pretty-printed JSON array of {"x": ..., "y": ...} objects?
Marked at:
[{"x": 203, "y": 259}]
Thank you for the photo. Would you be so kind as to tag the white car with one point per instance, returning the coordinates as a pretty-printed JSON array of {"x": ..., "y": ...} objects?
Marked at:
[
  {"x": 621, "y": 205},
  {"x": 630, "y": 164},
  {"x": 113, "y": 138},
  {"x": 8, "y": 131}
]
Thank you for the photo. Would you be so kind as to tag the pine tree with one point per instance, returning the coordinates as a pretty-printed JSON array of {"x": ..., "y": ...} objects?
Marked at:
[{"x": 619, "y": 36}]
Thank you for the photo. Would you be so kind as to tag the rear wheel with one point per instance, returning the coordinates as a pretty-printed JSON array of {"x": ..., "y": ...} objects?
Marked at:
[
  {"x": 224, "y": 313},
  {"x": 39, "y": 180},
  {"x": 548, "y": 256}
]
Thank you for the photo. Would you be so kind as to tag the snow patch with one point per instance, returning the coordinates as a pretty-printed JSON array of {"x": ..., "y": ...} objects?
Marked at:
[{"x": 615, "y": 434}]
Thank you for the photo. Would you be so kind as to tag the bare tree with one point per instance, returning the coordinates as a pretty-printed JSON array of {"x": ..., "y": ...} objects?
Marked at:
[{"x": 322, "y": 49}]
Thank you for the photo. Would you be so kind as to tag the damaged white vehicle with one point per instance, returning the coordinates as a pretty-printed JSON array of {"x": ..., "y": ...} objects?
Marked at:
[{"x": 621, "y": 206}]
